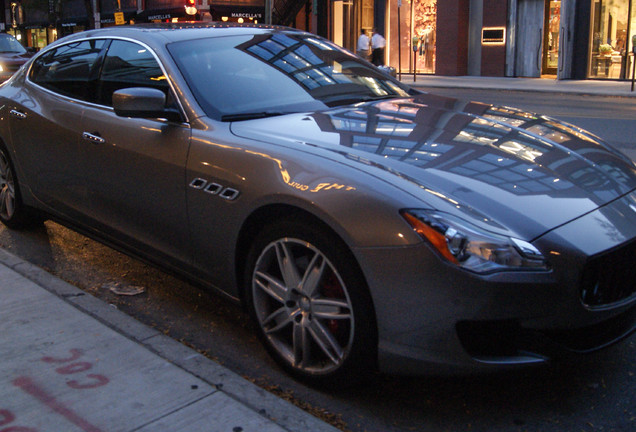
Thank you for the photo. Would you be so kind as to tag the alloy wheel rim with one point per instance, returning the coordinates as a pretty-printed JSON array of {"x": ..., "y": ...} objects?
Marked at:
[
  {"x": 303, "y": 306},
  {"x": 7, "y": 189}
]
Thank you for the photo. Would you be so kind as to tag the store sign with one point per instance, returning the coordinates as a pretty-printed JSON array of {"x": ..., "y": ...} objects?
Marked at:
[
  {"x": 159, "y": 17},
  {"x": 257, "y": 16},
  {"x": 119, "y": 18}
]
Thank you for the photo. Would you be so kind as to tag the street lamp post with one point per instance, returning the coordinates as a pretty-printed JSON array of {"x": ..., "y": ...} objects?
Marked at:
[{"x": 268, "y": 11}]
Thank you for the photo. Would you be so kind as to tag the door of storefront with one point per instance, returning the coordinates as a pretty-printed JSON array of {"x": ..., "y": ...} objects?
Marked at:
[
  {"x": 613, "y": 23},
  {"x": 344, "y": 28},
  {"x": 551, "y": 37}
]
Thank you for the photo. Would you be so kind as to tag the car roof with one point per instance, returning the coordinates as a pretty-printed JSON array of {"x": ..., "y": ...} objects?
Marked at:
[{"x": 153, "y": 33}]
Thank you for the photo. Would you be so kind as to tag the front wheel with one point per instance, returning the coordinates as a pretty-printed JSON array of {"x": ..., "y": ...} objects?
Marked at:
[{"x": 310, "y": 304}]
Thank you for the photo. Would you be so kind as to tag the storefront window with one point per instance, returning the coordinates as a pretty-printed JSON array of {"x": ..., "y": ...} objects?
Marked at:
[
  {"x": 411, "y": 35},
  {"x": 613, "y": 25},
  {"x": 252, "y": 11},
  {"x": 38, "y": 38}
]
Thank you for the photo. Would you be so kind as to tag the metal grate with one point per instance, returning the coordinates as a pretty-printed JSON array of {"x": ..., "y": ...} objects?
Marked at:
[{"x": 611, "y": 277}]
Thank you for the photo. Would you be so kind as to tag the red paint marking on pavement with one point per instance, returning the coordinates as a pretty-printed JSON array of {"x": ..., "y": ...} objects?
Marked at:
[
  {"x": 27, "y": 385},
  {"x": 99, "y": 380},
  {"x": 74, "y": 368},
  {"x": 75, "y": 354},
  {"x": 6, "y": 417}
]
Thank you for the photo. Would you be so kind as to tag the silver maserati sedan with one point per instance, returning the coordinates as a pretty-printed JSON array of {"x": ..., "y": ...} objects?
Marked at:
[{"x": 363, "y": 224}]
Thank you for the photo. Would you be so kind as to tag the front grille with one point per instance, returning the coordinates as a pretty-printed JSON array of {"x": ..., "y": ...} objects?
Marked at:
[{"x": 610, "y": 277}]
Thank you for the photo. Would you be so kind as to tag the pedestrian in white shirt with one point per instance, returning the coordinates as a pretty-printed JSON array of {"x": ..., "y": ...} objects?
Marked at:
[
  {"x": 377, "y": 45},
  {"x": 363, "y": 45}
]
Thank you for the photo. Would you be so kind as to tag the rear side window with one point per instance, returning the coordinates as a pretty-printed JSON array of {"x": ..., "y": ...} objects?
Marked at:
[
  {"x": 128, "y": 64},
  {"x": 69, "y": 69}
]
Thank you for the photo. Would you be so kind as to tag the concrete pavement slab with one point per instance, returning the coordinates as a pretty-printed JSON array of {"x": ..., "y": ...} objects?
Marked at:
[
  {"x": 62, "y": 369},
  {"x": 218, "y": 412},
  {"x": 65, "y": 371}
]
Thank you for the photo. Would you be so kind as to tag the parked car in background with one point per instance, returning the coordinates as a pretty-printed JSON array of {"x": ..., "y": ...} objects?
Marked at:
[
  {"x": 362, "y": 223},
  {"x": 12, "y": 56}
]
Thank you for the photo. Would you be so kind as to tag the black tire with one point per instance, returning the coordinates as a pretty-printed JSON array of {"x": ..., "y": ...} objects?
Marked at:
[
  {"x": 13, "y": 213},
  {"x": 317, "y": 320}
]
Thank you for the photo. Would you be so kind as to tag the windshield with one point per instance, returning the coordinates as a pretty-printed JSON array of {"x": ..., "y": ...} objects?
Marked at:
[
  {"x": 254, "y": 76},
  {"x": 9, "y": 44}
]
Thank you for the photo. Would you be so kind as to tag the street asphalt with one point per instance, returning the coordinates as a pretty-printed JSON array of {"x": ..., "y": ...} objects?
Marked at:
[{"x": 70, "y": 362}]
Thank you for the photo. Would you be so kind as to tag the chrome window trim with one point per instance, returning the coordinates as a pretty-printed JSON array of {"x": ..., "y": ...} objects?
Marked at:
[{"x": 27, "y": 76}]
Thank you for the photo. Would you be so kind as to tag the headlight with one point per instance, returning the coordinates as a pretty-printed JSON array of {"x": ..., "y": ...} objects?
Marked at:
[
  {"x": 1, "y": 68},
  {"x": 472, "y": 248}
]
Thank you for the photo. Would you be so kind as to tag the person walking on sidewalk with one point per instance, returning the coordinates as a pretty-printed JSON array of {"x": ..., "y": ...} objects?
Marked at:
[
  {"x": 363, "y": 45},
  {"x": 377, "y": 45}
]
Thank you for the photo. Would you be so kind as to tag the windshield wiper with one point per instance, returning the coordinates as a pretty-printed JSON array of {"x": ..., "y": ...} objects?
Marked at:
[
  {"x": 353, "y": 99},
  {"x": 251, "y": 115}
]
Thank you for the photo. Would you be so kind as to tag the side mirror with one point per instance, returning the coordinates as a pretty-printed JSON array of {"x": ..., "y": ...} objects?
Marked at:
[{"x": 143, "y": 102}]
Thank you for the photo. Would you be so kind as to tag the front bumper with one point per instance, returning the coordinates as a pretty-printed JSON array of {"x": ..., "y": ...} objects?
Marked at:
[{"x": 435, "y": 318}]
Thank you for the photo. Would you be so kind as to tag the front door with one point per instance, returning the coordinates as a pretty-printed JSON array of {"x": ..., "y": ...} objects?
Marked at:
[{"x": 135, "y": 168}]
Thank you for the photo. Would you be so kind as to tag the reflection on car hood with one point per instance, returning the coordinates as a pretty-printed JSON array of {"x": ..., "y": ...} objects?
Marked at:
[
  {"x": 14, "y": 58},
  {"x": 529, "y": 173}
]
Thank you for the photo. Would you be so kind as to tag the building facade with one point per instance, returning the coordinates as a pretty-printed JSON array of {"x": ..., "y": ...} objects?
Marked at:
[
  {"x": 36, "y": 23},
  {"x": 566, "y": 39}
]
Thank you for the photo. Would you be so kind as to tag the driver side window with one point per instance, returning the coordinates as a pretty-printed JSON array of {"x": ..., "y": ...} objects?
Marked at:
[{"x": 128, "y": 64}]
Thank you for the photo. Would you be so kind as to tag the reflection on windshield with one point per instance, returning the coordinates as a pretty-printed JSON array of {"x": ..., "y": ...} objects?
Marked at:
[{"x": 277, "y": 72}]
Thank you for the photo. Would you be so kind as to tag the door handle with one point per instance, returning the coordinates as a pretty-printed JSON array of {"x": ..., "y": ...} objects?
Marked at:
[
  {"x": 93, "y": 137},
  {"x": 18, "y": 114}
]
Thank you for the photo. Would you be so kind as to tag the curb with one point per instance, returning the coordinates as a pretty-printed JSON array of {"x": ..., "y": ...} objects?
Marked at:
[{"x": 541, "y": 85}]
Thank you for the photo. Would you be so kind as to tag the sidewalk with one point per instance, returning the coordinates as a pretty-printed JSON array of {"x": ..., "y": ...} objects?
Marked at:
[
  {"x": 70, "y": 362},
  {"x": 548, "y": 85}
]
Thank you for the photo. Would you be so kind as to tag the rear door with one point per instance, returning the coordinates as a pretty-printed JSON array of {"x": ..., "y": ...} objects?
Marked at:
[{"x": 45, "y": 123}]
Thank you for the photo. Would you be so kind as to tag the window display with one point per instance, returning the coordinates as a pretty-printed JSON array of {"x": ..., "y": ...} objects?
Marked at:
[
  {"x": 411, "y": 47},
  {"x": 613, "y": 25}
]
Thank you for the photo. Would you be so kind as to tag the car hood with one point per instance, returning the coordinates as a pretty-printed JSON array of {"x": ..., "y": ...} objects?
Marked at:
[
  {"x": 15, "y": 58},
  {"x": 523, "y": 173}
]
